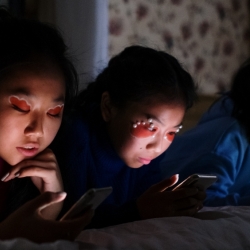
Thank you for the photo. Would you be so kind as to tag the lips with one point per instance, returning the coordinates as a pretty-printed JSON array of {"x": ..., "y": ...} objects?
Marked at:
[
  {"x": 29, "y": 149},
  {"x": 144, "y": 161}
]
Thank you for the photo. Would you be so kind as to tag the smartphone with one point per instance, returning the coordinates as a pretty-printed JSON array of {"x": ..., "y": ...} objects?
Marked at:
[
  {"x": 91, "y": 199},
  {"x": 197, "y": 180}
]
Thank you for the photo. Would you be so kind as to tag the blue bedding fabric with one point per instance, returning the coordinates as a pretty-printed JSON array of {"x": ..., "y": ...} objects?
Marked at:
[{"x": 217, "y": 145}]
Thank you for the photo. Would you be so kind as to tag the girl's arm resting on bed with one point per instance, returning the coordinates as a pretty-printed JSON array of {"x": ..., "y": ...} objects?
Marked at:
[
  {"x": 232, "y": 179},
  {"x": 27, "y": 222},
  {"x": 149, "y": 205}
]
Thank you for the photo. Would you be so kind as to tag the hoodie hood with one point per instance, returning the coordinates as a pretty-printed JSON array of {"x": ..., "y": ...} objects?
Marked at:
[{"x": 221, "y": 108}]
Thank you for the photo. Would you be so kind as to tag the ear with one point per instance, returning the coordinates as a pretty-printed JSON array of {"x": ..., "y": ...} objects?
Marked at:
[{"x": 106, "y": 106}]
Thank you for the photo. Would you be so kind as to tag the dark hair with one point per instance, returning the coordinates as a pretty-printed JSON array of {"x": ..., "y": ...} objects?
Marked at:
[
  {"x": 240, "y": 94},
  {"x": 138, "y": 73},
  {"x": 27, "y": 41},
  {"x": 24, "y": 41}
]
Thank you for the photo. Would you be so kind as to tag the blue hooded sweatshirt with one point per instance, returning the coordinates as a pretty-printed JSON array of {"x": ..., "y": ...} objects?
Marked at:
[{"x": 217, "y": 145}]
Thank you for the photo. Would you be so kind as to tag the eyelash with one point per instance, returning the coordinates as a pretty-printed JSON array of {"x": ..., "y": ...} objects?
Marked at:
[
  {"x": 26, "y": 111},
  {"x": 55, "y": 116},
  {"x": 19, "y": 110},
  {"x": 172, "y": 133}
]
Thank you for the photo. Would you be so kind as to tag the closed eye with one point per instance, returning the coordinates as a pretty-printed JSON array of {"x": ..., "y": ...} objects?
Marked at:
[
  {"x": 19, "y": 104},
  {"x": 19, "y": 109},
  {"x": 56, "y": 112},
  {"x": 55, "y": 115}
]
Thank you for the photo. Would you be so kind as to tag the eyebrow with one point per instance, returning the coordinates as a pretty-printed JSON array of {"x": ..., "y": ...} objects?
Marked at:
[
  {"x": 156, "y": 118},
  {"x": 24, "y": 91}
]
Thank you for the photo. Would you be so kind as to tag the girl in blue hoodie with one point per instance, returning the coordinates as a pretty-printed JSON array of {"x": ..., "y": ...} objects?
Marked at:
[{"x": 219, "y": 145}]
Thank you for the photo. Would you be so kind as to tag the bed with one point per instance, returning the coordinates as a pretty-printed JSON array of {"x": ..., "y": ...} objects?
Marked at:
[{"x": 213, "y": 228}]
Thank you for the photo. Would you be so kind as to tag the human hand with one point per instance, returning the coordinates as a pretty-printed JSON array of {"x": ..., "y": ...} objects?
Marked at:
[
  {"x": 28, "y": 222},
  {"x": 158, "y": 202},
  {"x": 43, "y": 170},
  {"x": 45, "y": 174}
]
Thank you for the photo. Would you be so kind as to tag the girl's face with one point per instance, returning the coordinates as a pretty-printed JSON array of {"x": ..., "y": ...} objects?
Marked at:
[
  {"x": 141, "y": 132},
  {"x": 31, "y": 108}
]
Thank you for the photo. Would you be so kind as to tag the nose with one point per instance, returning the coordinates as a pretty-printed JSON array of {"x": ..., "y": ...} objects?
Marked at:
[
  {"x": 34, "y": 126},
  {"x": 158, "y": 145}
]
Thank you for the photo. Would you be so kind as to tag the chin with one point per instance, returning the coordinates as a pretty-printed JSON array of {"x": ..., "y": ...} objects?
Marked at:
[
  {"x": 135, "y": 165},
  {"x": 13, "y": 162},
  {"x": 131, "y": 162}
]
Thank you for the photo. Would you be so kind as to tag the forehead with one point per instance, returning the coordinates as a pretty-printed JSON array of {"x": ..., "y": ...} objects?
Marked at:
[
  {"x": 159, "y": 111},
  {"x": 33, "y": 80},
  {"x": 151, "y": 107}
]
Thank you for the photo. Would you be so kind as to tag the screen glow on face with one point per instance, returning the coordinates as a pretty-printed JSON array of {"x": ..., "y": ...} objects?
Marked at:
[
  {"x": 148, "y": 129},
  {"x": 22, "y": 105}
]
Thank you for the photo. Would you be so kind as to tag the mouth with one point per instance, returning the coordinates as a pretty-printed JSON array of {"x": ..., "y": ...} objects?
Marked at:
[
  {"x": 29, "y": 150},
  {"x": 144, "y": 161}
]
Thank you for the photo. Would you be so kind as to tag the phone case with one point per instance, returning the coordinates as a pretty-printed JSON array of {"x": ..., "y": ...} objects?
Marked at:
[
  {"x": 197, "y": 179},
  {"x": 91, "y": 199}
]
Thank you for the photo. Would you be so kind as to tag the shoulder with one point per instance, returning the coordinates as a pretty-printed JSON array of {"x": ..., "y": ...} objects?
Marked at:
[
  {"x": 222, "y": 136},
  {"x": 233, "y": 141},
  {"x": 223, "y": 107},
  {"x": 205, "y": 136},
  {"x": 220, "y": 140}
]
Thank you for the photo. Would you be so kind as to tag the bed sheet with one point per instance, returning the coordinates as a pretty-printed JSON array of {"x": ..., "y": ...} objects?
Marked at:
[
  {"x": 24, "y": 244},
  {"x": 212, "y": 228}
]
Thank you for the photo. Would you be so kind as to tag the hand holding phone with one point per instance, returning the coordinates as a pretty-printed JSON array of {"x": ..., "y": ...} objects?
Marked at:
[
  {"x": 91, "y": 199},
  {"x": 197, "y": 180}
]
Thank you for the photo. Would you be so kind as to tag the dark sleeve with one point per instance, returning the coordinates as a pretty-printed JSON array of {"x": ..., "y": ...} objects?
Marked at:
[
  {"x": 69, "y": 149},
  {"x": 229, "y": 161},
  {"x": 231, "y": 188},
  {"x": 110, "y": 214},
  {"x": 21, "y": 191}
]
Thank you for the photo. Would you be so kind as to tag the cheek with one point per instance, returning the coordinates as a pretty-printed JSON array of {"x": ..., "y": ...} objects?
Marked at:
[
  {"x": 12, "y": 134},
  {"x": 51, "y": 128},
  {"x": 9, "y": 121},
  {"x": 167, "y": 144},
  {"x": 128, "y": 147}
]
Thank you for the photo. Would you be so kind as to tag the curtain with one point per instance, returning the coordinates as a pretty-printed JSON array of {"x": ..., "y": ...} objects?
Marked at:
[{"x": 84, "y": 25}]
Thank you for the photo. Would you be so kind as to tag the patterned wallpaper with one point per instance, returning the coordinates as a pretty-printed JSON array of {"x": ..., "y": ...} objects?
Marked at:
[{"x": 211, "y": 38}]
